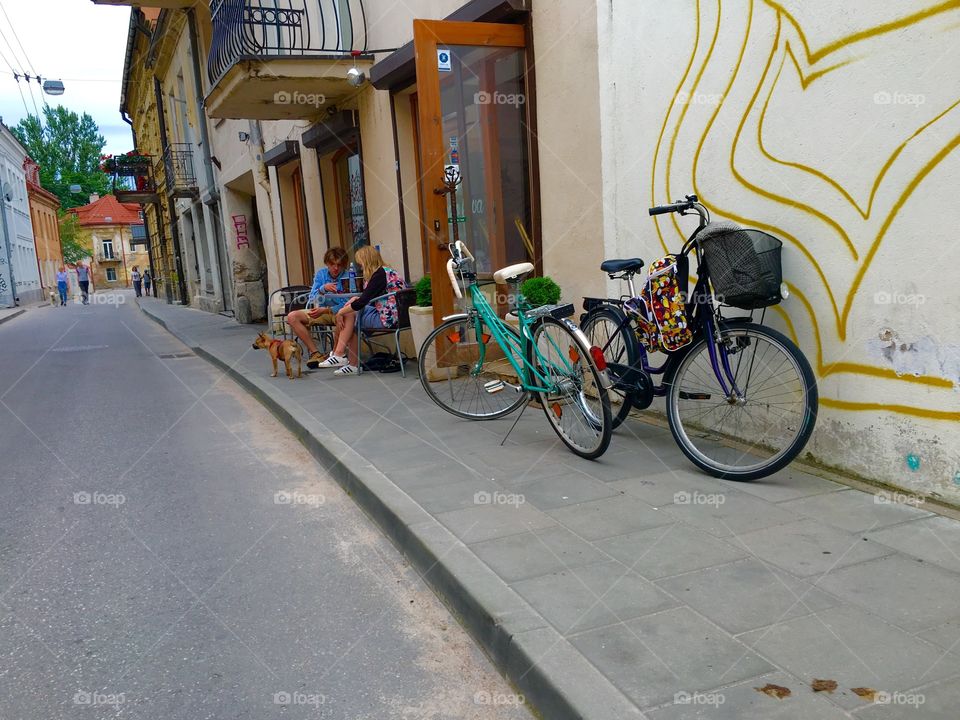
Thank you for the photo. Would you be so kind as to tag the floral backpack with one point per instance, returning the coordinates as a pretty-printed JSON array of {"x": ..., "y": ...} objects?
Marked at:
[
  {"x": 661, "y": 318},
  {"x": 387, "y": 308}
]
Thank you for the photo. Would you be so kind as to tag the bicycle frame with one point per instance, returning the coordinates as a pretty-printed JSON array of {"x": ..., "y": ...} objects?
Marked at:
[{"x": 531, "y": 379}]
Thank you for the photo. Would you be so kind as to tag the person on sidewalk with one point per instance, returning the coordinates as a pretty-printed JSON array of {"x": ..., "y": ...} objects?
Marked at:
[
  {"x": 147, "y": 280},
  {"x": 325, "y": 281},
  {"x": 83, "y": 277},
  {"x": 62, "y": 285},
  {"x": 381, "y": 314},
  {"x": 137, "y": 281}
]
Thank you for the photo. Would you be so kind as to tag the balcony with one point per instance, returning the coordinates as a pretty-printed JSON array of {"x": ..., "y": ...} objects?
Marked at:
[
  {"x": 179, "y": 176},
  {"x": 107, "y": 257},
  {"x": 132, "y": 178},
  {"x": 269, "y": 62},
  {"x": 138, "y": 235}
]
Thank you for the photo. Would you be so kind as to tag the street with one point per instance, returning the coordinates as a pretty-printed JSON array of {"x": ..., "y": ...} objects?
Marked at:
[{"x": 168, "y": 550}]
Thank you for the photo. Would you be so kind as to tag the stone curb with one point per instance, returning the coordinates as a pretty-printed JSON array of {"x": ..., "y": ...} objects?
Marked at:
[
  {"x": 12, "y": 315},
  {"x": 555, "y": 679}
]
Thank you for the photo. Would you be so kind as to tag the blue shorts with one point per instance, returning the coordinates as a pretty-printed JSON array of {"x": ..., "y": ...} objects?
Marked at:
[{"x": 370, "y": 318}]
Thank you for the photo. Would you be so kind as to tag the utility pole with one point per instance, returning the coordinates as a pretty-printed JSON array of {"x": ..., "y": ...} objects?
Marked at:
[{"x": 8, "y": 241}]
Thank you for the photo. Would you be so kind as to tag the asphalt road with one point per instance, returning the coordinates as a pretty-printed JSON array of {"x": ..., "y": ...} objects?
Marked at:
[{"x": 168, "y": 550}]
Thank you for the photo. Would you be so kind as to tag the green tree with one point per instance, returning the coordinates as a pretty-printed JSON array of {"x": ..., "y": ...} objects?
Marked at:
[
  {"x": 73, "y": 250},
  {"x": 68, "y": 148}
]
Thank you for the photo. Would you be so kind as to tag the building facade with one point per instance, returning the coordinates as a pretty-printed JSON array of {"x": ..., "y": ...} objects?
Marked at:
[
  {"x": 112, "y": 231},
  {"x": 567, "y": 119},
  {"x": 19, "y": 273},
  {"x": 46, "y": 227}
]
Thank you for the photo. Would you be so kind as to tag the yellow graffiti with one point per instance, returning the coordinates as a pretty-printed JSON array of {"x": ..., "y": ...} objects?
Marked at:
[{"x": 840, "y": 317}]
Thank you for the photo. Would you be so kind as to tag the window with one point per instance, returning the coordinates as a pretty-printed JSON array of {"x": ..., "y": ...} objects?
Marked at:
[
  {"x": 111, "y": 274},
  {"x": 108, "y": 250}
]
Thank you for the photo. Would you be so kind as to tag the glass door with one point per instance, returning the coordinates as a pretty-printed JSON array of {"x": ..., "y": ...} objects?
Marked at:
[{"x": 472, "y": 107}]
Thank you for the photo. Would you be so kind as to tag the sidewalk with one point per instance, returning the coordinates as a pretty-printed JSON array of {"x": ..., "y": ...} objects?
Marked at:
[
  {"x": 633, "y": 586},
  {"x": 10, "y": 313}
]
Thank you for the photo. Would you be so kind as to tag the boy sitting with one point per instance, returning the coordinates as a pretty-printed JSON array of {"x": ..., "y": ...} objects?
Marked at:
[{"x": 324, "y": 282}]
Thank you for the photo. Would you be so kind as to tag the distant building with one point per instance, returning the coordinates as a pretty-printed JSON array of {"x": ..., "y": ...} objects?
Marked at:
[
  {"x": 46, "y": 228},
  {"x": 17, "y": 251},
  {"x": 112, "y": 232}
]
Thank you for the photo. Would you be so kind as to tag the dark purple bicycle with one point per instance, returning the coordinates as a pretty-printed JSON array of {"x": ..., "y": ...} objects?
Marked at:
[{"x": 741, "y": 399}]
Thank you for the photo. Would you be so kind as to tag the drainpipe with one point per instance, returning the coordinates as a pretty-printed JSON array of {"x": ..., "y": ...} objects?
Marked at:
[
  {"x": 174, "y": 228},
  {"x": 205, "y": 142}
]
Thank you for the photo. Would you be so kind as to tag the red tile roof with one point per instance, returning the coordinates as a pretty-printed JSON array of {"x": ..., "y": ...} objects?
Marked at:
[{"x": 97, "y": 212}]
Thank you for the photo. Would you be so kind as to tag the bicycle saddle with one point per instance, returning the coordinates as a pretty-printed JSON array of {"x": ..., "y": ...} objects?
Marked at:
[
  {"x": 616, "y": 266},
  {"x": 512, "y": 273}
]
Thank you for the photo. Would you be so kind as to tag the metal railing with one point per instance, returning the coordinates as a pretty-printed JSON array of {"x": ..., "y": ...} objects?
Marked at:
[
  {"x": 133, "y": 180},
  {"x": 178, "y": 168},
  {"x": 258, "y": 29}
]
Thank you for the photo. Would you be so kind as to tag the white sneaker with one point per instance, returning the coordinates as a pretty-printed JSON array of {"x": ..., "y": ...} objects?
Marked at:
[
  {"x": 334, "y": 361},
  {"x": 346, "y": 370}
]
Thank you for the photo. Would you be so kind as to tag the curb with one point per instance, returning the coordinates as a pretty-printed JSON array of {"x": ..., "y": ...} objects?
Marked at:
[
  {"x": 12, "y": 315},
  {"x": 555, "y": 679}
]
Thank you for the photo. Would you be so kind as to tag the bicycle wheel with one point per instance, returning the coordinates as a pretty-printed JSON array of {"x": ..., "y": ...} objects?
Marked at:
[
  {"x": 603, "y": 328},
  {"x": 465, "y": 371},
  {"x": 762, "y": 430},
  {"x": 578, "y": 408}
]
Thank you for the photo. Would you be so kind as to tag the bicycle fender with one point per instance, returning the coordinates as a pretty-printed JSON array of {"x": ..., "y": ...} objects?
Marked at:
[
  {"x": 456, "y": 316},
  {"x": 585, "y": 347}
]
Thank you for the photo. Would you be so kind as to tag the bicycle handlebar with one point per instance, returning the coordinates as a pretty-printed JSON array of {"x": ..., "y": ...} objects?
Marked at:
[
  {"x": 673, "y": 207},
  {"x": 459, "y": 253}
]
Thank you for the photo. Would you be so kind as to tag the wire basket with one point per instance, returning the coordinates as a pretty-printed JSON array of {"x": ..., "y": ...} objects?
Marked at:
[{"x": 744, "y": 265}]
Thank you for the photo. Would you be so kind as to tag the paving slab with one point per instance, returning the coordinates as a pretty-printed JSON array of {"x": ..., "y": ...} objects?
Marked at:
[
  {"x": 579, "y": 598},
  {"x": 937, "y": 701},
  {"x": 652, "y": 658},
  {"x": 853, "y": 647},
  {"x": 854, "y": 511},
  {"x": 670, "y": 550},
  {"x": 743, "y": 608},
  {"x": 521, "y": 538},
  {"x": 934, "y": 539},
  {"x": 808, "y": 547},
  {"x": 905, "y": 591}
]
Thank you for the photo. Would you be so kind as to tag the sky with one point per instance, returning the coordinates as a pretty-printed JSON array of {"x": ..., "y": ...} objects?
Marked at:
[{"x": 75, "y": 41}]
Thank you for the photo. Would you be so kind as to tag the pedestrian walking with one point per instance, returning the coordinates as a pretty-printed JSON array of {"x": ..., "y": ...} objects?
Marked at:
[
  {"x": 83, "y": 277},
  {"x": 62, "y": 285},
  {"x": 147, "y": 280},
  {"x": 137, "y": 281}
]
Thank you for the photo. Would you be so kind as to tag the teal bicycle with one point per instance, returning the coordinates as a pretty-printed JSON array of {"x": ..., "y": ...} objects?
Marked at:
[{"x": 477, "y": 367}]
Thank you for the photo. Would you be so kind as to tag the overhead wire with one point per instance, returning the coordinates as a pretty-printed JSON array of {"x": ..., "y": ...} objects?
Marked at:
[
  {"x": 20, "y": 89},
  {"x": 29, "y": 64}
]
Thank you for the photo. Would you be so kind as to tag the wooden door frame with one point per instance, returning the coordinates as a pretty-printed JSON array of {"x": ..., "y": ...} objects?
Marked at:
[{"x": 428, "y": 35}]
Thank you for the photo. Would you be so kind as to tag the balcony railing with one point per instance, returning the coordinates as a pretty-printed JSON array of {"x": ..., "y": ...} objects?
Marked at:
[
  {"x": 181, "y": 179},
  {"x": 133, "y": 180},
  {"x": 257, "y": 29},
  {"x": 103, "y": 257},
  {"x": 138, "y": 235}
]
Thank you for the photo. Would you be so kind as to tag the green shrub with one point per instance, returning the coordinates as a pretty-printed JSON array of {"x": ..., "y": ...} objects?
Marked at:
[
  {"x": 424, "y": 292},
  {"x": 540, "y": 291}
]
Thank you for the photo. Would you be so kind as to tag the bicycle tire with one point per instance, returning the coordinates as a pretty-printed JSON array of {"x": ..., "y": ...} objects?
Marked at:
[
  {"x": 464, "y": 391},
  {"x": 623, "y": 354},
  {"x": 725, "y": 442},
  {"x": 587, "y": 429}
]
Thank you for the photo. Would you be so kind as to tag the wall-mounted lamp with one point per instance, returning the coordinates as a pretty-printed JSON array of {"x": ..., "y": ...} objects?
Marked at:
[
  {"x": 355, "y": 76},
  {"x": 244, "y": 136}
]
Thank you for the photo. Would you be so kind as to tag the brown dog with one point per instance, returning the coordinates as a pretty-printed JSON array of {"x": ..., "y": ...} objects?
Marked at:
[{"x": 284, "y": 350}]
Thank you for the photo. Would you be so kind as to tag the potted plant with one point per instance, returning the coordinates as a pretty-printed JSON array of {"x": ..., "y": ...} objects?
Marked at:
[{"x": 421, "y": 314}]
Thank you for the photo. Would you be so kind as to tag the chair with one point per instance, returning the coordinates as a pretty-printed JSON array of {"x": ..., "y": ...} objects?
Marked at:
[
  {"x": 405, "y": 299},
  {"x": 294, "y": 297}
]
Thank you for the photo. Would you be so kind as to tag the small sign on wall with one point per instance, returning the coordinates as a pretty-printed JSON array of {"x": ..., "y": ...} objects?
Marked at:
[{"x": 444, "y": 63}]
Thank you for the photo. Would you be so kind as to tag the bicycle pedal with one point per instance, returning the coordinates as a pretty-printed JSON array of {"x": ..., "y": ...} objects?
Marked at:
[{"x": 494, "y": 386}]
